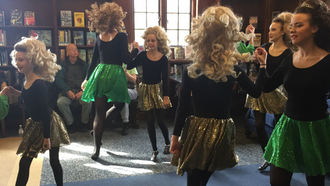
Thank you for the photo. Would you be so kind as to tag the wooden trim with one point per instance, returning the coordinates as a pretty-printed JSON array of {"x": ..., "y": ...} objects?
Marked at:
[
  {"x": 55, "y": 31},
  {"x": 268, "y": 20},
  {"x": 163, "y": 14},
  {"x": 193, "y": 10}
]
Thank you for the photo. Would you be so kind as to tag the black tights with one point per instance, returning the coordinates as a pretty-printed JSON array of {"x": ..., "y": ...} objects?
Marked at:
[
  {"x": 198, "y": 177},
  {"x": 282, "y": 177},
  {"x": 161, "y": 124},
  {"x": 259, "y": 120},
  {"x": 25, "y": 163},
  {"x": 101, "y": 116}
]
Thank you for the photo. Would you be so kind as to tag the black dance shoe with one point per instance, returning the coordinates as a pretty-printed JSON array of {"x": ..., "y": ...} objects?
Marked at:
[
  {"x": 167, "y": 149},
  {"x": 95, "y": 156},
  {"x": 154, "y": 156},
  {"x": 124, "y": 132},
  {"x": 264, "y": 166}
]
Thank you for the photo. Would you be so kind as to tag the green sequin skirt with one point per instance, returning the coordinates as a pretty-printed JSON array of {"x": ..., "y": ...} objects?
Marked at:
[
  {"x": 207, "y": 144},
  {"x": 33, "y": 136},
  {"x": 300, "y": 146},
  {"x": 272, "y": 102},
  {"x": 107, "y": 80},
  {"x": 150, "y": 97}
]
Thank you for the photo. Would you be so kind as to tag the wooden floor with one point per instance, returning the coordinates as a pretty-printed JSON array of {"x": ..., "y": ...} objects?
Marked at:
[{"x": 9, "y": 162}]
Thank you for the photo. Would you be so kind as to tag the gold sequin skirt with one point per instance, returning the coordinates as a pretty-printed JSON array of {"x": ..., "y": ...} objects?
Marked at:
[
  {"x": 150, "y": 97},
  {"x": 272, "y": 102},
  {"x": 33, "y": 136},
  {"x": 207, "y": 144}
]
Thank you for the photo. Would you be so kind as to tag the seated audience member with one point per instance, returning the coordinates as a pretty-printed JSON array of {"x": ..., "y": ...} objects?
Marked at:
[
  {"x": 69, "y": 79},
  {"x": 131, "y": 80}
]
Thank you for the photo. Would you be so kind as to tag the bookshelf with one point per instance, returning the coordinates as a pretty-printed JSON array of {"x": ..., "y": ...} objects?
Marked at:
[{"x": 46, "y": 18}]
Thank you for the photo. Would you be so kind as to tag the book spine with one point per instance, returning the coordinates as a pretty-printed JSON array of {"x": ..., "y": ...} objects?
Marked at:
[
  {"x": 2, "y": 18},
  {"x": 4, "y": 58},
  {"x": 1, "y": 39}
]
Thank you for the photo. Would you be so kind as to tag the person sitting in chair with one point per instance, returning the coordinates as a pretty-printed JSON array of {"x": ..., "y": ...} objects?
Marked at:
[
  {"x": 69, "y": 79},
  {"x": 131, "y": 80}
]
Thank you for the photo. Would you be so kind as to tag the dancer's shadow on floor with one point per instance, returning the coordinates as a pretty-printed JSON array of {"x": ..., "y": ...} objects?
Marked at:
[{"x": 103, "y": 162}]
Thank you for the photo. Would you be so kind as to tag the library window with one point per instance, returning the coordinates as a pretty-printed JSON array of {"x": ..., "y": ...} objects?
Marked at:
[
  {"x": 178, "y": 21},
  {"x": 147, "y": 13}
]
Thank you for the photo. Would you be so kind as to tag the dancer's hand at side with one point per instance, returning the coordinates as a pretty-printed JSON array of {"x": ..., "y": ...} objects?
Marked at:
[
  {"x": 83, "y": 85},
  {"x": 166, "y": 101},
  {"x": 175, "y": 148},
  {"x": 46, "y": 144}
]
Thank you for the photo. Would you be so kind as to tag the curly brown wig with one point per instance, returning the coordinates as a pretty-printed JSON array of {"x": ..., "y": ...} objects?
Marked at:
[
  {"x": 106, "y": 18},
  {"x": 320, "y": 16}
]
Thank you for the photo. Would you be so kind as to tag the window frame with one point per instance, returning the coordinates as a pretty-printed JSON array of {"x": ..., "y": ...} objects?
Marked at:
[{"x": 162, "y": 18}]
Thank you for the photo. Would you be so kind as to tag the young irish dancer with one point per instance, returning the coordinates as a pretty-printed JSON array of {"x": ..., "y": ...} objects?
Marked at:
[
  {"x": 106, "y": 81},
  {"x": 207, "y": 139},
  {"x": 155, "y": 74},
  {"x": 300, "y": 141},
  {"x": 45, "y": 130},
  {"x": 273, "y": 102}
]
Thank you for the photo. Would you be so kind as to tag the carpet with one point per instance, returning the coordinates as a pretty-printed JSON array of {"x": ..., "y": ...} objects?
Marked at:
[{"x": 244, "y": 175}]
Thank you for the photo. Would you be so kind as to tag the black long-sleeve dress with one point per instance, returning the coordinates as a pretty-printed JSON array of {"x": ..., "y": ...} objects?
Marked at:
[
  {"x": 107, "y": 78},
  {"x": 154, "y": 73},
  {"x": 272, "y": 102},
  {"x": 300, "y": 141},
  {"x": 208, "y": 136},
  {"x": 44, "y": 122}
]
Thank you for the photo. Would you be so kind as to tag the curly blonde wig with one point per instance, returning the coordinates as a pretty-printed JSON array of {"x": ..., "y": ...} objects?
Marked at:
[
  {"x": 214, "y": 40},
  {"x": 162, "y": 39},
  {"x": 285, "y": 19},
  {"x": 106, "y": 18},
  {"x": 41, "y": 60}
]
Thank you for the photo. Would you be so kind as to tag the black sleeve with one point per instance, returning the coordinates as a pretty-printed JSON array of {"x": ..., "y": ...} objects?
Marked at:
[
  {"x": 165, "y": 76},
  {"x": 244, "y": 81},
  {"x": 94, "y": 59},
  {"x": 137, "y": 61},
  {"x": 275, "y": 80},
  {"x": 41, "y": 102},
  {"x": 182, "y": 110},
  {"x": 126, "y": 56}
]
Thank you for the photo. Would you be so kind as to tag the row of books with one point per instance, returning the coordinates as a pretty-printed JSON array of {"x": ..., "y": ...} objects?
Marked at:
[
  {"x": 85, "y": 55},
  {"x": 3, "y": 41},
  {"x": 17, "y": 17},
  {"x": 78, "y": 17},
  {"x": 64, "y": 37},
  {"x": 4, "y": 58},
  {"x": 180, "y": 52}
]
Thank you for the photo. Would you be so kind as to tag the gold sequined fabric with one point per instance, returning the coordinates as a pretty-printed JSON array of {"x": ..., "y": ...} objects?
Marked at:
[
  {"x": 272, "y": 102},
  {"x": 33, "y": 136},
  {"x": 150, "y": 97},
  {"x": 207, "y": 144}
]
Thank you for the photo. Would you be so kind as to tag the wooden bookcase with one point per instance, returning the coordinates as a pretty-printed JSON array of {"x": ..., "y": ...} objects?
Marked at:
[{"x": 47, "y": 17}]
